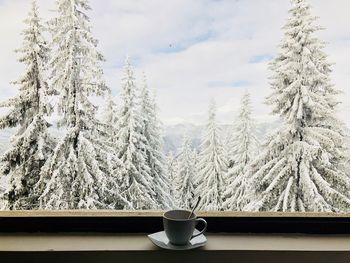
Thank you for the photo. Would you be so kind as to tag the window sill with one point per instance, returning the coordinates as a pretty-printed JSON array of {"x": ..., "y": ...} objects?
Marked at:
[{"x": 59, "y": 242}]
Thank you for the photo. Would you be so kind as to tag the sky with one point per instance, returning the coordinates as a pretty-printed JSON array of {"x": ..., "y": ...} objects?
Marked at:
[{"x": 191, "y": 50}]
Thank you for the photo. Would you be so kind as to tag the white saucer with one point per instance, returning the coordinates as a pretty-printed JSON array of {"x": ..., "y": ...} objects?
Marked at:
[{"x": 160, "y": 240}]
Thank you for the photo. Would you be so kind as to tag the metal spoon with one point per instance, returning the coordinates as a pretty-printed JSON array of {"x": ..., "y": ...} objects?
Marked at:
[{"x": 199, "y": 198}]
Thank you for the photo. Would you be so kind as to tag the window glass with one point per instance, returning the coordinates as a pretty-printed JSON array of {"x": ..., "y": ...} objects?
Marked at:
[{"x": 150, "y": 105}]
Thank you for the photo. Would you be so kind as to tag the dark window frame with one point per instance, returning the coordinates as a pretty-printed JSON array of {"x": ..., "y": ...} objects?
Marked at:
[{"x": 151, "y": 221}]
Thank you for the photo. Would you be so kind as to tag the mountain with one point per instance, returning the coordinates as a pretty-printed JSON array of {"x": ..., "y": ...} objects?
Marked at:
[{"x": 173, "y": 134}]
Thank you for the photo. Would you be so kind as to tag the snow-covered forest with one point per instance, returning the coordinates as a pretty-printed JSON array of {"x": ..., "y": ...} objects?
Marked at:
[{"x": 113, "y": 157}]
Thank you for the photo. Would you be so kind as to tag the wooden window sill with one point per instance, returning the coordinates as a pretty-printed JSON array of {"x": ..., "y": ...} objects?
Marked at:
[{"x": 40, "y": 242}]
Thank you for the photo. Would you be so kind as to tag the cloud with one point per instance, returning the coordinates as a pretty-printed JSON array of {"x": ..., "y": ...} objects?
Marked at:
[{"x": 192, "y": 50}]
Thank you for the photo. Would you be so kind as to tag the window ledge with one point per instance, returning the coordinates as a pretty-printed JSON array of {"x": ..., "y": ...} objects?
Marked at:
[{"x": 20, "y": 242}]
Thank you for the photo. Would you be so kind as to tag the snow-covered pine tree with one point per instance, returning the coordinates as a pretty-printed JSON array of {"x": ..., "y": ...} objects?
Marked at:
[
  {"x": 109, "y": 118},
  {"x": 134, "y": 173},
  {"x": 171, "y": 166},
  {"x": 77, "y": 175},
  {"x": 242, "y": 142},
  {"x": 299, "y": 168},
  {"x": 243, "y": 146},
  {"x": 31, "y": 145},
  {"x": 151, "y": 129},
  {"x": 185, "y": 174},
  {"x": 107, "y": 133},
  {"x": 212, "y": 166}
]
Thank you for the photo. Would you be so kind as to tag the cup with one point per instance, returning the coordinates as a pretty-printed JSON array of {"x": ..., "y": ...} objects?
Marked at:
[{"x": 179, "y": 228}]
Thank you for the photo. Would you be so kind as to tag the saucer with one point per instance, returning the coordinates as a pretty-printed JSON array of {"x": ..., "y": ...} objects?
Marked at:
[{"x": 161, "y": 240}]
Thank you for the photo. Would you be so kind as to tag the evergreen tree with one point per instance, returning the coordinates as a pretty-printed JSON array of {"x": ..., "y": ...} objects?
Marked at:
[
  {"x": 242, "y": 142},
  {"x": 108, "y": 134},
  {"x": 243, "y": 147},
  {"x": 300, "y": 166},
  {"x": 31, "y": 145},
  {"x": 154, "y": 155},
  {"x": 135, "y": 175},
  {"x": 171, "y": 166},
  {"x": 185, "y": 174},
  {"x": 212, "y": 166},
  {"x": 77, "y": 175},
  {"x": 109, "y": 119}
]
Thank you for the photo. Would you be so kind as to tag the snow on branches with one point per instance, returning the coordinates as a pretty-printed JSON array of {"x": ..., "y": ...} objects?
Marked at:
[
  {"x": 134, "y": 173},
  {"x": 118, "y": 162},
  {"x": 153, "y": 148},
  {"x": 300, "y": 168},
  {"x": 31, "y": 145},
  {"x": 212, "y": 166},
  {"x": 77, "y": 175},
  {"x": 243, "y": 146},
  {"x": 185, "y": 174}
]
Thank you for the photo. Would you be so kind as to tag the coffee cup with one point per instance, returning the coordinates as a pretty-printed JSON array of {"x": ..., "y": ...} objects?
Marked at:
[{"x": 179, "y": 228}]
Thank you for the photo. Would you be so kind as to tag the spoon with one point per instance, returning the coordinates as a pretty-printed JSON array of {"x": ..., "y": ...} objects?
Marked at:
[{"x": 199, "y": 198}]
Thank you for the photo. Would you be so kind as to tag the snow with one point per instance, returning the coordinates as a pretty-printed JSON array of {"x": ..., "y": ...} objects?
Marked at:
[
  {"x": 31, "y": 144},
  {"x": 301, "y": 165},
  {"x": 121, "y": 156},
  {"x": 185, "y": 174},
  {"x": 151, "y": 129},
  {"x": 212, "y": 166},
  {"x": 242, "y": 147},
  {"x": 134, "y": 173},
  {"x": 77, "y": 174}
]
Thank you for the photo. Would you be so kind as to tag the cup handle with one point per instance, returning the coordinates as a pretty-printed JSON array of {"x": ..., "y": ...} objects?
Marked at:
[{"x": 204, "y": 229}]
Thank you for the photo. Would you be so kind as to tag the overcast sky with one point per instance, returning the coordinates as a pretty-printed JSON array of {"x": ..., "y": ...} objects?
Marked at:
[{"x": 191, "y": 50}]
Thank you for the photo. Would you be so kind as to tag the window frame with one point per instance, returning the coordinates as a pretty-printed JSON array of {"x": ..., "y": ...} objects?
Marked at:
[{"x": 151, "y": 221}]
